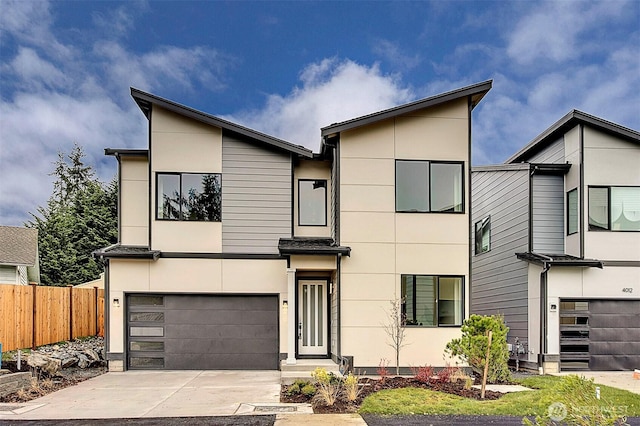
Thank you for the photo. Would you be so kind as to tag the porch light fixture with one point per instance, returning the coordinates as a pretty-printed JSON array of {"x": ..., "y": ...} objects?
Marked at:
[
  {"x": 285, "y": 304},
  {"x": 116, "y": 303}
]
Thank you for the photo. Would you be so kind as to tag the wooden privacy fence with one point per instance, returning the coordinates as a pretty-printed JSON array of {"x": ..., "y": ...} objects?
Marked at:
[{"x": 32, "y": 315}]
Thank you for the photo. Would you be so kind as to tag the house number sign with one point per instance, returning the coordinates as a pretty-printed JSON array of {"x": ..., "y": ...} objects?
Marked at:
[{"x": 627, "y": 290}]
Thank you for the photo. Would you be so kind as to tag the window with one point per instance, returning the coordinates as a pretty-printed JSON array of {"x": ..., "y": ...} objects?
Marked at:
[
  {"x": 483, "y": 235},
  {"x": 430, "y": 300},
  {"x": 312, "y": 202},
  {"x": 572, "y": 211},
  {"x": 189, "y": 196},
  {"x": 428, "y": 186},
  {"x": 615, "y": 208}
]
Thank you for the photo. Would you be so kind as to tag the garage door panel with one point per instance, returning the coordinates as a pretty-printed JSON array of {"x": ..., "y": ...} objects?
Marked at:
[
  {"x": 613, "y": 362},
  {"x": 598, "y": 320},
  {"x": 614, "y": 307},
  {"x": 204, "y": 332},
  {"x": 625, "y": 334},
  {"x": 609, "y": 347},
  {"x": 218, "y": 362}
]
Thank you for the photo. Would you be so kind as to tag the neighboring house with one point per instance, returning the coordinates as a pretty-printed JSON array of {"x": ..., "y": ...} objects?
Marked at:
[
  {"x": 98, "y": 282},
  {"x": 557, "y": 245},
  {"x": 19, "y": 262},
  {"x": 238, "y": 250}
]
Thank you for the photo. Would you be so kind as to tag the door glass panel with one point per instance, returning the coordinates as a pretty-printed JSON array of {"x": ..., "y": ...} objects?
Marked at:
[
  {"x": 320, "y": 319},
  {"x": 147, "y": 316},
  {"x": 146, "y": 300},
  {"x": 147, "y": 331},
  {"x": 146, "y": 346},
  {"x": 305, "y": 317},
  {"x": 312, "y": 317}
]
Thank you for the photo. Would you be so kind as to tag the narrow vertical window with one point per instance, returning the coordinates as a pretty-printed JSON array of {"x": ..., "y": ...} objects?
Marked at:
[
  {"x": 572, "y": 211},
  {"x": 446, "y": 187},
  {"x": 598, "y": 209},
  {"x": 483, "y": 235},
  {"x": 312, "y": 202}
]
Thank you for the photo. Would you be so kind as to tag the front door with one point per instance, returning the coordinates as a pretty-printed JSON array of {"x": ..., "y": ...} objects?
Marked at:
[{"x": 312, "y": 317}]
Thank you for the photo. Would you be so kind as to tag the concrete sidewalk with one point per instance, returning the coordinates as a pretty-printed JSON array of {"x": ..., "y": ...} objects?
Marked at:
[{"x": 144, "y": 394}]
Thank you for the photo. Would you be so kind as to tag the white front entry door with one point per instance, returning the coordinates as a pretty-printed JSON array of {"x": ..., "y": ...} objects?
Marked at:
[{"x": 312, "y": 317}]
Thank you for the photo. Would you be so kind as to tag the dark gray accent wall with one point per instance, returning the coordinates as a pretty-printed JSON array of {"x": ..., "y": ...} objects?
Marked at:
[
  {"x": 499, "y": 279},
  {"x": 554, "y": 153},
  {"x": 548, "y": 214},
  {"x": 256, "y": 197}
]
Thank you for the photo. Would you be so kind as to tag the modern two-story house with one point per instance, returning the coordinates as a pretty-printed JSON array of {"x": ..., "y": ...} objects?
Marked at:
[
  {"x": 557, "y": 246},
  {"x": 238, "y": 250}
]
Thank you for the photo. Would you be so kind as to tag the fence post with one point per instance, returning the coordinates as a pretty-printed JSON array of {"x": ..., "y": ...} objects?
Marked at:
[
  {"x": 95, "y": 305},
  {"x": 33, "y": 317},
  {"x": 70, "y": 312}
]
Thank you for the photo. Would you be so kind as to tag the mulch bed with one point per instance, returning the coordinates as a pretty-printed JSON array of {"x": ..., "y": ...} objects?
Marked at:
[
  {"x": 45, "y": 385},
  {"x": 370, "y": 386}
]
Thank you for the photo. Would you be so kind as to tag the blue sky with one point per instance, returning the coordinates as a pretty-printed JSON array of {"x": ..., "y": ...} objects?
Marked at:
[{"x": 289, "y": 68}]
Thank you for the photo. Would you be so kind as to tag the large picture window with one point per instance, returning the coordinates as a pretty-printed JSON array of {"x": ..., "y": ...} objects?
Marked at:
[
  {"x": 431, "y": 300},
  {"x": 572, "y": 211},
  {"x": 312, "y": 202},
  {"x": 429, "y": 186},
  {"x": 189, "y": 196},
  {"x": 483, "y": 235},
  {"x": 615, "y": 208}
]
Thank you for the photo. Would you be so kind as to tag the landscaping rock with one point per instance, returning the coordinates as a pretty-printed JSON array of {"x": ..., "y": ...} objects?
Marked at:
[{"x": 49, "y": 365}]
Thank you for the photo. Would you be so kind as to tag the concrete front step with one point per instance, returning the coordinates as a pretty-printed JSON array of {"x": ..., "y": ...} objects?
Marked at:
[{"x": 303, "y": 368}]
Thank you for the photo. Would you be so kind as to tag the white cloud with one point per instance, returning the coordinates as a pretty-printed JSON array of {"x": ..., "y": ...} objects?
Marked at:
[
  {"x": 392, "y": 53},
  {"x": 332, "y": 90},
  {"x": 553, "y": 31},
  {"x": 36, "y": 73}
]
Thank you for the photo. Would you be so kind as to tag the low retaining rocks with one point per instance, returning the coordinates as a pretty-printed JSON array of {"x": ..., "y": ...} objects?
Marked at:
[{"x": 10, "y": 383}]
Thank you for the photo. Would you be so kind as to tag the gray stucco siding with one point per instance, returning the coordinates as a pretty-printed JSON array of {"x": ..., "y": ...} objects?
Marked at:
[{"x": 256, "y": 197}]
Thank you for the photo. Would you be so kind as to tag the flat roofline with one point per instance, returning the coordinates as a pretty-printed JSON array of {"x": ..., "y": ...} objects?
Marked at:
[{"x": 123, "y": 152}]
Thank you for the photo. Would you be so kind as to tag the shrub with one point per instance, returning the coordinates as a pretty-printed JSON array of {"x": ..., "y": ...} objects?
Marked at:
[
  {"x": 308, "y": 390},
  {"x": 573, "y": 401},
  {"x": 327, "y": 385},
  {"x": 424, "y": 374},
  {"x": 472, "y": 346},
  {"x": 382, "y": 370},
  {"x": 351, "y": 388}
]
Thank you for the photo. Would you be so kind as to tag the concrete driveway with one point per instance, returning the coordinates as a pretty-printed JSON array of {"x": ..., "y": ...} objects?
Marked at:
[
  {"x": 160, "y": 394},
  {"x": 616, "y": 379}
]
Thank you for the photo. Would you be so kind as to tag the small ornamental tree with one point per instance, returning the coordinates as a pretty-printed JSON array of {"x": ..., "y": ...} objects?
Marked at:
[
  {"x": 395, "y": 329},
  {"x": 472, "y": 346}
]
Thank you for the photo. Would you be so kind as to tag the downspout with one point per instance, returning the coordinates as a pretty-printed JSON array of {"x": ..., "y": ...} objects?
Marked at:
[
  {"x": 338, "y": 310},
  {"x": 543, "y": 312}
]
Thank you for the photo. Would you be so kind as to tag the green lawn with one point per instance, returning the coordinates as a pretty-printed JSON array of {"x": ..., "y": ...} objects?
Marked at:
[{"x": 421, "y": 401}]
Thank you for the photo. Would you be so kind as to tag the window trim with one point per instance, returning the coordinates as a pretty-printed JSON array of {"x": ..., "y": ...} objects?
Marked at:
[
  {"x": 430, "y": 162},
  {"x": 179, "y": 174},
  {"x": 437, "y": 300},
  {"x": 488, "y": 220},
  {"x": 608, "y": 188},
  {"x": 326, "y": 203},
  {"x": 574, "y": 190}
]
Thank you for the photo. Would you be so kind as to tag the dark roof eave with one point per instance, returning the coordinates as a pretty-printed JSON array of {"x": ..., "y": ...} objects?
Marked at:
[
  {"x": 113, "y": 252},
  {"x": 476, "y": 91},
  {"x": 570, "y": 120},
  {"x": 118, "y": 152},
  {"x": 145, "y": 100},
  {"x": 329, "y": 251},
  {"x": 550, "y": 261}
]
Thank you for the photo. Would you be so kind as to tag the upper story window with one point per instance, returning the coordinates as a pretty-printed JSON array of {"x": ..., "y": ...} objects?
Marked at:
[
  {"x": 429, "y": 186},
  {"x": 483, "y": 235},
  {"x": 312, "y": 202},
  {"x": 189, "y": 196},
  {"x": 614, "y": 208},
  {"x": 432, "y": 300},
  {"x": 572, "y": 211}
]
